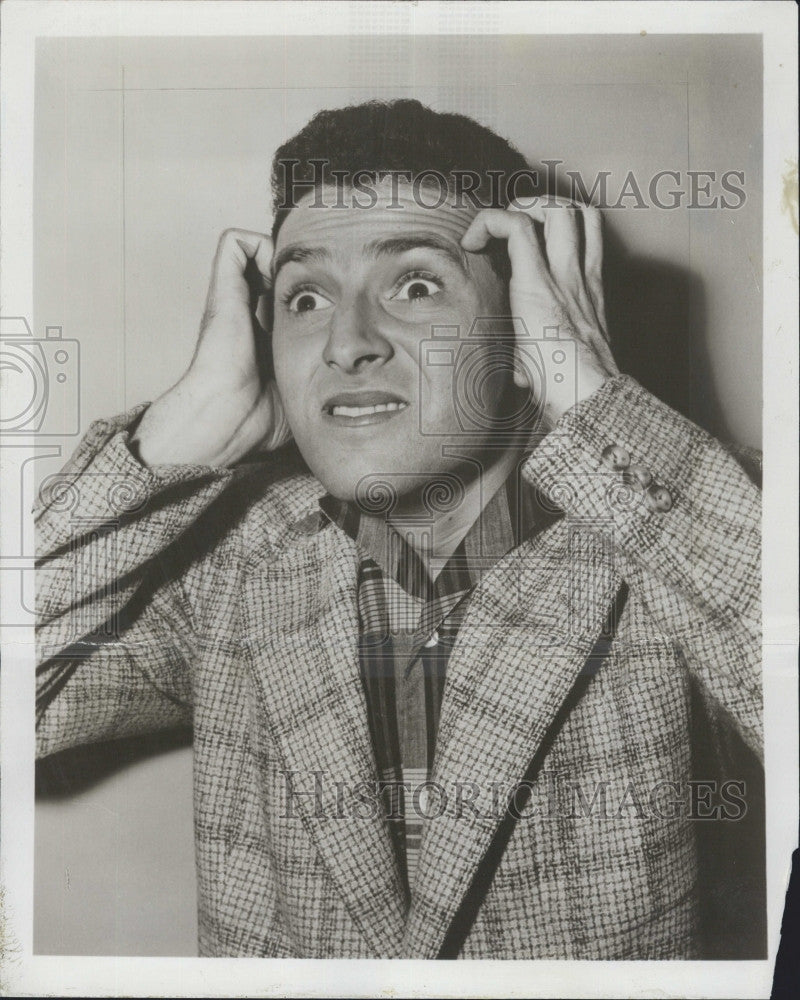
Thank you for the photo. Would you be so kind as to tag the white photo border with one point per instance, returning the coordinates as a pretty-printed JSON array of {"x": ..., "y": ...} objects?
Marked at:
[{"x": 23, "y": 973}]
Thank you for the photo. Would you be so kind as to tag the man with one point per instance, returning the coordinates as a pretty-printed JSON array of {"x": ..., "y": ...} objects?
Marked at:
[{"x": 443, "y": 652}]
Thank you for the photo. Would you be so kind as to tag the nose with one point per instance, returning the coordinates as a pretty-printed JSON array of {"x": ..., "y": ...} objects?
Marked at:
[{"x": 356, "y": 339}]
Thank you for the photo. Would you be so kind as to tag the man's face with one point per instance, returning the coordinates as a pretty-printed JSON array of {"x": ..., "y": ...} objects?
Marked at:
[{"x": 357, "y": 292}]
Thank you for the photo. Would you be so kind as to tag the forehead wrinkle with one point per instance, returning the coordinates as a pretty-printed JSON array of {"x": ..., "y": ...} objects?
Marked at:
[
  {"x": 343, "y": 232},
  {"x": 391, "y": 245},
  {"x": 298, "y": 253},
  {"x": 386, "y": 246}
]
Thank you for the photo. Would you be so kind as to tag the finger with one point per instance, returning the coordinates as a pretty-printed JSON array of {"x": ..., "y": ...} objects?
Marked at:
[
  {"x": 263, "y": 258},
  {"x": 561, "y": 238},
  {"x": 531, "y": 284},
  {"x": 593, "y": 235},
  {"x": 563, "y": 248},
  {"x": 229, "y": 278},
  {"x": 593, "y": 263},
  {"x": 517, "y": 230},
  {"x": 537, "y": 206}
]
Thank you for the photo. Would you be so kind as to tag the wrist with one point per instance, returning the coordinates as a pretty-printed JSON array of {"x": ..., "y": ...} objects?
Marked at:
[
  {"x": 184, "y": 427},
  {"x": 562, "y": 397}
]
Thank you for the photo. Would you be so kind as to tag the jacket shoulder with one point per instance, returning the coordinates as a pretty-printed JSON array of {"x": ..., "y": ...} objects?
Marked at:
[
  {"x": 750, "y": 459},
  {"x": 274, "y": 500}
]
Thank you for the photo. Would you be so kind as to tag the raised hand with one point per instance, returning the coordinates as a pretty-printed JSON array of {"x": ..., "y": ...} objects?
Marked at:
[
  {"x": 555, "y": 290},
  {"x": 226, "y": 404}
]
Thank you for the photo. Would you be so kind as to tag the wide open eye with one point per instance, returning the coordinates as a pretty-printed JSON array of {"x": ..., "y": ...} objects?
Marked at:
[
  {"x": 417, "y": 286},
  {"x": 307, "y": 300}
]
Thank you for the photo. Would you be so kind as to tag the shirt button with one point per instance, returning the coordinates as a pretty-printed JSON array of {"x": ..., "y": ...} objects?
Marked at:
[
  {"x": 616, "y": 457},
  {"x": 638, "y": 476},
  {"x": 658, "y": 498},
  {"x": 434, "y": 639}
]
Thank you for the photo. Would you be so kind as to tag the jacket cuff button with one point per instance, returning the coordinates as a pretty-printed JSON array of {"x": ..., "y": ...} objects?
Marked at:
[
  {"x": 638, "y": 476},
  {"x": 658, "y": 498},
  {"x": 616, "y": 457}
]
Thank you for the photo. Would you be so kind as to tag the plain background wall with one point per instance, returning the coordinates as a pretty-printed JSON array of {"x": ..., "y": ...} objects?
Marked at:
[{"x": 147, "y": 148}]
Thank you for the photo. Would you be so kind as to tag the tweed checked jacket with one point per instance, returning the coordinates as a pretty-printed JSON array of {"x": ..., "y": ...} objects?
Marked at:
[{"x": 223, "y": 599}]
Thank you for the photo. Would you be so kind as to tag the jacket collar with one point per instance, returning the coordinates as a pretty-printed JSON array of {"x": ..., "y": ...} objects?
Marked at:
[{"x": 312, "y": 702}]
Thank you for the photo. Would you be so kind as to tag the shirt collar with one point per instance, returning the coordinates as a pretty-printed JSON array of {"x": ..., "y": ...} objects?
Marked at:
[{"x": 509, "y": 517}]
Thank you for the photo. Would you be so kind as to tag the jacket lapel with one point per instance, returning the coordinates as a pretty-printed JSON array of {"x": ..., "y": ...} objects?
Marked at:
[
  {"x": 531, "y": 625},
  {"x": 312, "y": 697}
]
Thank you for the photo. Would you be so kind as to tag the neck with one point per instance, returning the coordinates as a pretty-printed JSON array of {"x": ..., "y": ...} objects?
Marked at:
[{"x": 438, "y": 537}]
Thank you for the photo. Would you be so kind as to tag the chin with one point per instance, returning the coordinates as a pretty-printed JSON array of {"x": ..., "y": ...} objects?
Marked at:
[
  {"x": 341, "y": 479},
  {"x": 373, "y": 490},
  {"x": 372, "y": 480},
  {"x": 341, "y": 487}
]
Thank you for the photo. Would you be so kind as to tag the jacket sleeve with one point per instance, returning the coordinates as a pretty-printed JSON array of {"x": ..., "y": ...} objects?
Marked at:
[
  {"x": 685, "y": 525},
  {"x": 115, "y": 627}
]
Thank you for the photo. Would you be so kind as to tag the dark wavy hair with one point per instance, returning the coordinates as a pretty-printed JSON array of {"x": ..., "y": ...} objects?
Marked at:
[{"x": 381, "y": 137}]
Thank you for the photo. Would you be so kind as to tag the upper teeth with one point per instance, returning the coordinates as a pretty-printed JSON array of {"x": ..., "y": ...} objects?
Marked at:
[{"x": 360, "y": 411}]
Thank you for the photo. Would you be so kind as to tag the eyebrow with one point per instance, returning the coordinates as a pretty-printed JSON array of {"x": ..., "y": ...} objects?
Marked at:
[{"x": 389, "y": 246}]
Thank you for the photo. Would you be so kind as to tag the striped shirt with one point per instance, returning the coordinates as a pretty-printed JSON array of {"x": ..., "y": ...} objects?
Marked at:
[{"x": 408, "y": 622}]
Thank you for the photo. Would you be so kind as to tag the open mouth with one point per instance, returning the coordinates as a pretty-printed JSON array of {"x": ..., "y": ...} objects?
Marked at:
[{"x": 366, "y": 407}]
